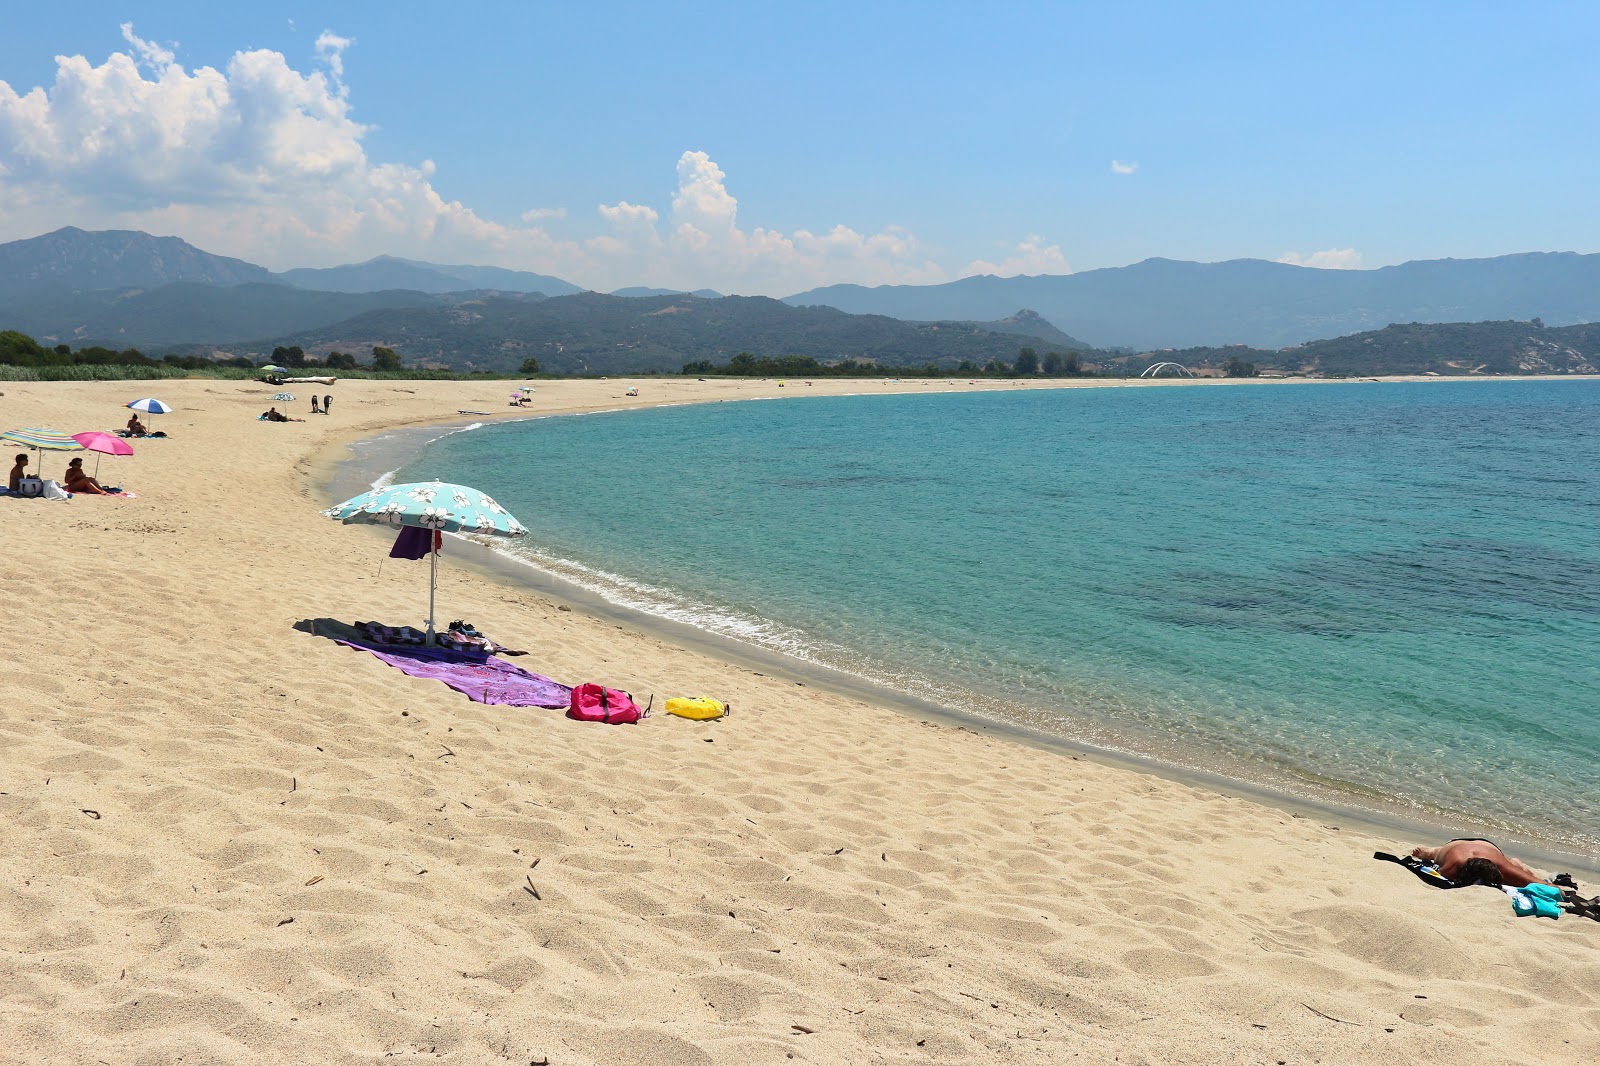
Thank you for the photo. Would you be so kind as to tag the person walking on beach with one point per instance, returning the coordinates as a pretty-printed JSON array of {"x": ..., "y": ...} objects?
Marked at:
[{"x": 1477, "y": 861}]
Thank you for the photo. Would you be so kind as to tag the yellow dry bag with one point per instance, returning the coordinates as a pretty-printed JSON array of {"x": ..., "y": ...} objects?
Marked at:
[{"x": 699, "y": 708}]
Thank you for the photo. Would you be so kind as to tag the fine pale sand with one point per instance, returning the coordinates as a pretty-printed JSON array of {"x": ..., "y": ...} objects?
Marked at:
[{"x": 228, "y": 840}]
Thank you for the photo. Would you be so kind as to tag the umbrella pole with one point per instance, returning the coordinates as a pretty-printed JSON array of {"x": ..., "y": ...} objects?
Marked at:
[{"x": 433, "y": 580}]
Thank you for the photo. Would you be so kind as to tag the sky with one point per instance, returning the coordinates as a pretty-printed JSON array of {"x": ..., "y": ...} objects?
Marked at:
[{"x": 771, "y": 148}]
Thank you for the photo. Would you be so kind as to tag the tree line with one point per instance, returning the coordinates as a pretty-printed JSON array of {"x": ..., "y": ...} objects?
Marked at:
[{"x": 1029, "y": 364}]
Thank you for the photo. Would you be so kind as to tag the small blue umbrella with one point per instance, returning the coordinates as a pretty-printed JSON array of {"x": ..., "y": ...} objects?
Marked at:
[
  {"x": 430, "y": 505},
  {"x": 150, "y": 406},
  {"x": 284, "y": 396}
]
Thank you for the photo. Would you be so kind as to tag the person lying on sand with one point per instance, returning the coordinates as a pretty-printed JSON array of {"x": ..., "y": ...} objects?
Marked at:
[
  {"x": 1475, "y": 861},
  {"x": 18, "y": 472},
  {"x": 77, "y": 481},
  {"x": 272, "y": 414}
]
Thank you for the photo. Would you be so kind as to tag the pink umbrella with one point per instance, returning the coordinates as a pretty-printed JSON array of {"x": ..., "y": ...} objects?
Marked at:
[{"x": 104, "y": 443}]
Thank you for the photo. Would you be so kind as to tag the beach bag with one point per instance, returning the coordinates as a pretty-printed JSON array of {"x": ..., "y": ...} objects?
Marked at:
[
  {"x": 596, "y": 703},
  {"x": 698, "y": 708}
]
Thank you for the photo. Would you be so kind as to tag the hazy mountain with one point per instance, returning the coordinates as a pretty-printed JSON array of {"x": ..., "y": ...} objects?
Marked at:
[
  {"x": 188, "y": 313},
  {"x": 1165, "y": 303},
  {"x": 598, "y": 333},
  {"x": 1028, "y": 324},
  {"x": 390, "y": 272},
  {"x": 641, "y": 290},
  {"x": 73, "y": 259}
]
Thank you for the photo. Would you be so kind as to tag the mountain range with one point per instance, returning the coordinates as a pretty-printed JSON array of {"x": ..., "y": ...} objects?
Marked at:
[
  {"x": 597, "y": 333},
  {"x": 1163, "y": 303},
  {"x": 124, "y": 288}
]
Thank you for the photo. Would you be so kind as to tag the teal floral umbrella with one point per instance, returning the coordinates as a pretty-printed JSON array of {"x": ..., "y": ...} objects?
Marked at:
[{"x": 432, "y": 505}]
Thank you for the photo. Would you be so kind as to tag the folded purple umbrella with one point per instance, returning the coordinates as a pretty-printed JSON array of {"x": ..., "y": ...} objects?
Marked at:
[{"x": 486, "y": 680}]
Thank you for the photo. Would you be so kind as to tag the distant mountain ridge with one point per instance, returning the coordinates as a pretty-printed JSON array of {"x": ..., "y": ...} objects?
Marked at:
[
  {"x": 599, "y": 333},
  {"x": 391, "y": 272},
  {"x": 187, "y": 312},
  {"x": 1443, "y": 348},
  {"x": 74, "y": 259},
  {"x": 645, "y": 290},
  {"x": 1029, "y": 324},
  {"x": 1166, "y": 303}
]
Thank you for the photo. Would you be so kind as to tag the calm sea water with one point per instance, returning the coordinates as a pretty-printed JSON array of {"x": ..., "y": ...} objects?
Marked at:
[{"x": 1389, "y": 591}]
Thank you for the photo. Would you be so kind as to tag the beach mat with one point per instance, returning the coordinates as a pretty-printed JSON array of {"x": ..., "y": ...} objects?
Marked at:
[{"x": 485, "y": 680}]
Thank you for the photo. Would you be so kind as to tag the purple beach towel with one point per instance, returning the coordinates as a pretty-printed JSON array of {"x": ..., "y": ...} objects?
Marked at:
[{"x": 486, "y": 680}]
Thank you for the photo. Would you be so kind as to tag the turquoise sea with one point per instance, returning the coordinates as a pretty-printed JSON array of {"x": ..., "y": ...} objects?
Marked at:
[{"x": 1382, "y": 592}]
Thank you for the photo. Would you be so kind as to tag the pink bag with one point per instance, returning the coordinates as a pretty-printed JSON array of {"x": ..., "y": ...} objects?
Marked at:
[{"x": 596, "y": 703}]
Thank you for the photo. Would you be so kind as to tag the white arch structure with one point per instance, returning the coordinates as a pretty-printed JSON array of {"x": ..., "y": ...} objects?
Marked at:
[{"x": 1177, "y": 370}]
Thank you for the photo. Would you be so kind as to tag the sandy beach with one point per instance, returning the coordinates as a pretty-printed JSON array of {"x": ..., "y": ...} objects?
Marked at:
[{"x": 232, "y": 840}]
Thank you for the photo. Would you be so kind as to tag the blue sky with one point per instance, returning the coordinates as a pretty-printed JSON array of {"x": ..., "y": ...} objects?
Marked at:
[{"x": 758, "y": 148}]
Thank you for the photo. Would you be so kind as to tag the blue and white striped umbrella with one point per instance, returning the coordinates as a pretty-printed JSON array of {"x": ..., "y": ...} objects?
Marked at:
[
  {"x": 150, "y": 406},
  {"x": 284, "y": 396},
  {"x": 430, "y": 505}
]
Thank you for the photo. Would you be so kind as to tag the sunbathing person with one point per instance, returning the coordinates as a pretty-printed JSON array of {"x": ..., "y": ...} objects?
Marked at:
[
  {"x": 18, "y": 472},
  {"x": 136, "y": 427},
  {"x": 272, "y": 414},
  {"x": 1475, "y": 861},
  {"x": 77, "y": 481}
]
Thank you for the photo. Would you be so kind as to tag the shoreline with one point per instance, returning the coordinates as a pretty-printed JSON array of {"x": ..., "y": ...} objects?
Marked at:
[
  {"x": 395, "y": 448},
  {"x": 231, "y": 839}
]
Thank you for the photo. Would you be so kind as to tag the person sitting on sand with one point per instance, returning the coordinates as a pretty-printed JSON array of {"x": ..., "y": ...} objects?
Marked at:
[
  {"x": 136, "y": 427},
  {"x": 77, "y": 481},
  {"x": 272, "y": 414},
  {"x": 18, "y": 472},
  {"x": 1476, "y": 861}
]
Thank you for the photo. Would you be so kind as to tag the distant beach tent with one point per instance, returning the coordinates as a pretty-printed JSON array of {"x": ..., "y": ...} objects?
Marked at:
[
  {"x": 42, "y": 440},
  {"x": 1176, "y": 370},
  {"x": 432, "y": 506},
  {"x": 150, "y": 406}
]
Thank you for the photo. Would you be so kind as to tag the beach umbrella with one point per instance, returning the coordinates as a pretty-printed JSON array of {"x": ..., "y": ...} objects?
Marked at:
[
  {"x": 283, "y": 396},
  {"x": 432, "y": 505},
  {"x": 42, "y": 440},
  {"x": 150, "y": 406},
  {"x": 102, "y": 444},
  {"x": 274, "y": 368}
]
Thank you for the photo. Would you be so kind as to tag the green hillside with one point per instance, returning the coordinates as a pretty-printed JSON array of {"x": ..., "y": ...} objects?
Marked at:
[{"x": 600, "y": 334}]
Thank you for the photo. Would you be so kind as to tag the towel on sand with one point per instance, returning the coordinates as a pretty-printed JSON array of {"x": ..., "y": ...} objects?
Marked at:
[{"x": 478, "y": 678}]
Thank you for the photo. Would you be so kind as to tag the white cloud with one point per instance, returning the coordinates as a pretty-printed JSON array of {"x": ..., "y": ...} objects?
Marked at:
[
  {"x": 1329, "y": 259},
  {"x": 1030, "y": 256},
  {"x": 330, "y": 46},
  {"x": 154, "y": 56},
  {"x": 624, "y": 214},
  {"x": 266, "y": 162},
  {"x": 1119, "y": 167}
]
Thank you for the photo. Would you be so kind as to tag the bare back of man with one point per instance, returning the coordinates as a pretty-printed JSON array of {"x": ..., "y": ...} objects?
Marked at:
[{"x": 1451, "y": 858}]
